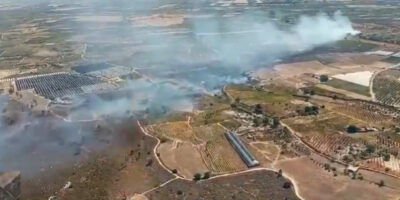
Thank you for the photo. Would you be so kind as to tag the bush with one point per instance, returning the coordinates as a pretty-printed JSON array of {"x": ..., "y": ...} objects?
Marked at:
[
  {"x": 287, "y": 185},
  {"x": 323, "y": 78},
  {"x": 311, "y": 110},
  {"x": 386, "y": 157},
  {"x": 258, "y": 109},
  {"x": 206, "y": 175},
  {"x": 370, "y": 148},
  {"x": 256, "y": 123},
  {"x": 197, "y": 177},
  {"x": 381, "y": 183},
  {"x": 351, "y": 129}
]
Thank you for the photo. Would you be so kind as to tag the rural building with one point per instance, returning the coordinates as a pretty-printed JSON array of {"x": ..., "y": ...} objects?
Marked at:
[
  {"x": 352, "y": 168},
  {"x": 241, "y": 149},
  {"x": 10, "y": 185}
]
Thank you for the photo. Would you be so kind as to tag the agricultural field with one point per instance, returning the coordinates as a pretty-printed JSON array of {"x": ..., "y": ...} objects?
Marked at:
[
  {"x": 315, "y": 183},
  {"x": 361, "y": 78},
  {"x": 389, "y": 166},
  {"x": 348, "y": 86},
  {"x": 183, "y": 157},
  {"x": 386, "y": 86},
  {"x": 323, "y": 124},
  {"x": 206, "y": 145},
  {"x": 216, "y": 151},
  {"x": 374, "y": 115},
  {"x": 329, "y": 145},
  {"x": 220, "y": 157},
  {"x": 211, "y": 109},
  {"x": 269, "y": 150},
  {"x": 275, "y": 100},
  {"x": 179, "y": 130},
  {"x": 251, "y": 96}
]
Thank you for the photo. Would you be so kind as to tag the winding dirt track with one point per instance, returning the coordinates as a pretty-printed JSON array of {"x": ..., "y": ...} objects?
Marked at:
[{"x": 295, "y": 185}]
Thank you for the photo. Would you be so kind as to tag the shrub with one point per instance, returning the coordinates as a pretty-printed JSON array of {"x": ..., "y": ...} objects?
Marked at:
[
  {"x": 386, "y": 157},
  {"x": 206, "y": 175},
  {"x": 381, "y": 183},
  {"x": 370, "y": 148},
  {"x": 323, "y": 78},
  {"x": 287, "y": 185},
  {"x": 351, "y": 129},
  {"x": 197, "y": 177},
  {"x": 258, "y": 109},
  {"x": 311, "y": 110}
]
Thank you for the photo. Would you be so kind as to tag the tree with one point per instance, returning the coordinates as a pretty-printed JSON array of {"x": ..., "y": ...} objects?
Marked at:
[
  {"x": 265, "y": 121},
  {"x": 206, "y": 175},
  {"x": 258, "y": 109},
  {"x": 256, "y": 122},
  {"x": 370, "y": 148},
  {"x": 347, "y": 159},
  {"x": 381, "y": 183},
  {"x": 311, "y": 110},
  {"x": 197, "y": 177},
  {"x": 323, "y": 78},
  {"x": 287, "y": 185},
  {"x": 386, "y": 157},
  {"x": 351, "y": 129},
  {"x": 275, "y": 122},
  {"x": 280, "y": 173}
]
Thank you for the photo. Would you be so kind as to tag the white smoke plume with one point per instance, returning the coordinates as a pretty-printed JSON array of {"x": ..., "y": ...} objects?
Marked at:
[{"x": 201, "y": 55}]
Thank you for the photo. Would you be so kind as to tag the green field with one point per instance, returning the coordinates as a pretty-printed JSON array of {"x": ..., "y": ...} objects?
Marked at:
[
  {"x": 345, "y": 85},
  {"x": 253, "y": 96}
]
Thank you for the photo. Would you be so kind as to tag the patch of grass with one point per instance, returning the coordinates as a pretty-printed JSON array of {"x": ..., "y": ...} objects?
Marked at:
[
  {"x": 325, "y": 124},
  {"x": 321, "y": 91},
  {"x": 254, "y": 96},
  {"x": 352, "y": 87},
  {"x": 350, "y": 46}
]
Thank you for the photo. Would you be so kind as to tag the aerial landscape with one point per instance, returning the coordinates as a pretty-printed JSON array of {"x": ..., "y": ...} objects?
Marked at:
[{"x": 199, "y": 100}]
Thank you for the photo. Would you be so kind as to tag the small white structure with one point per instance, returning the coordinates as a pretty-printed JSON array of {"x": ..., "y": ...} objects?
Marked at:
[{"x": 352, "y": 168}]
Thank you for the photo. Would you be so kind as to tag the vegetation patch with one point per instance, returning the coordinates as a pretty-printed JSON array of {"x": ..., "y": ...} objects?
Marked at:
[{"x": 345, "y": 85}]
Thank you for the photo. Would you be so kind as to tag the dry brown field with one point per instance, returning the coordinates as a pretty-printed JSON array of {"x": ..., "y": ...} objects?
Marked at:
[
  {"x": 182, "y": 156},
  {"x": 314, "y": 183}
]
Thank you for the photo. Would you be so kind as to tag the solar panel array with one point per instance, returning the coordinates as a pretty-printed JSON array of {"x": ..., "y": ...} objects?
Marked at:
[{"x": 56, "y": 85}]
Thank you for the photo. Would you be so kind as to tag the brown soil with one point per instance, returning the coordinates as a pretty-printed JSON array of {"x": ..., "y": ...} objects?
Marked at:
[
  {"x": 183, "y": 157},
  {"x": 313, "y": 182},
  {"x": 255, "y": 185}
]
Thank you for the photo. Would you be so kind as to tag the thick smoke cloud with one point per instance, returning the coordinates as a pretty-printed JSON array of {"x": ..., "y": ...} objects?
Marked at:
[
  {"x": 198, "y": 56},
  {"x": 242, "y": 40}
]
